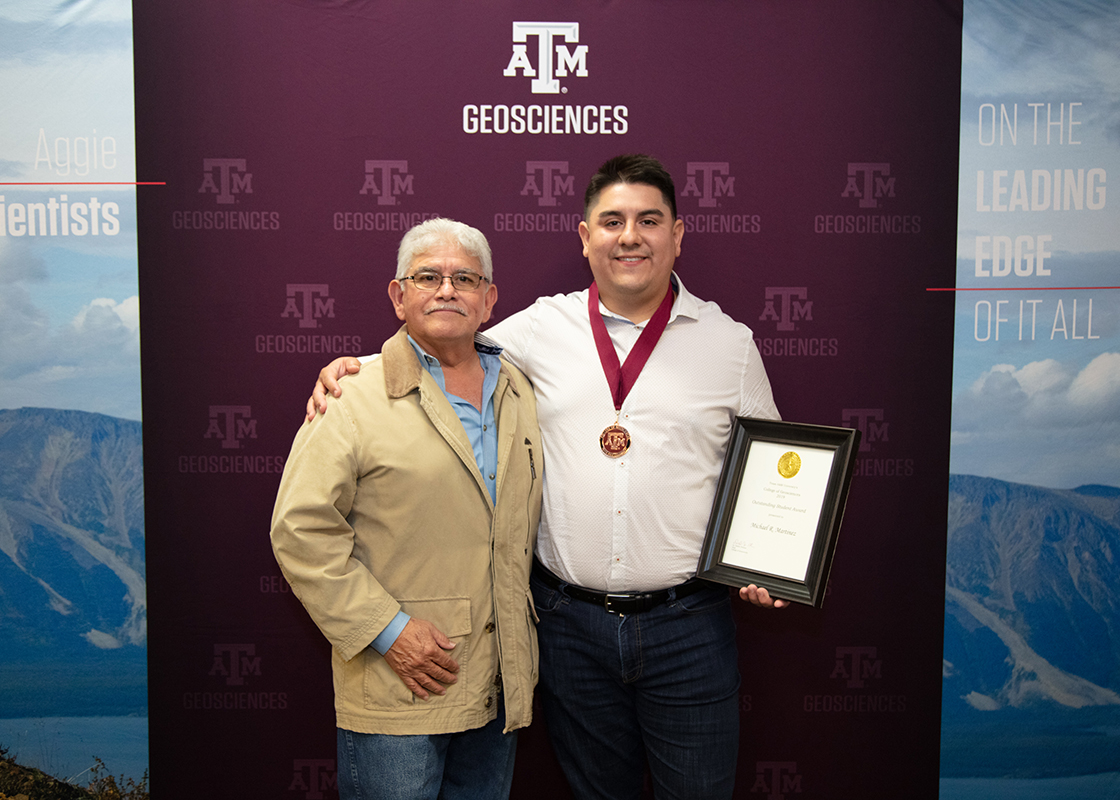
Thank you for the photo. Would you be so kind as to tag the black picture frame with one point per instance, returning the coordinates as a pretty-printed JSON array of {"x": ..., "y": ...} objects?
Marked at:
[{"x": 772, "y": 536}]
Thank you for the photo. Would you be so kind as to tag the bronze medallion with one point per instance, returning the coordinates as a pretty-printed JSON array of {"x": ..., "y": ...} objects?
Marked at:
[{"x": 614, "y": 440}]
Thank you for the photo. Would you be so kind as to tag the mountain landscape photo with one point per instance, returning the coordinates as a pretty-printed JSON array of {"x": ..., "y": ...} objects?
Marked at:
[
  {"x": 1032, "y": 630},
  {"x": 73, "y": 617}
]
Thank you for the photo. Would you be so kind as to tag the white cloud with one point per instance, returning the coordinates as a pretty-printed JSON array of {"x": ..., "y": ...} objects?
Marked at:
[
  {"x": 1041, "y": 394},
  {"x": 1045, "y": 423},
  {"x": 1098, "y": 385},
  {"x": 91, "y": 364},
  {"x": 104, "y": 313}
]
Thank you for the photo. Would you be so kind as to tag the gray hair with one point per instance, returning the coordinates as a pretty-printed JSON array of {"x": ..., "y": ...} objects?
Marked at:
[{"x": 432, "y": 233}]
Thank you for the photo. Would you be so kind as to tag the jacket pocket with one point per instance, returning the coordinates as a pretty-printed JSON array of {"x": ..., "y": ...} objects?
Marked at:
[{"x": 384, "y": 689}]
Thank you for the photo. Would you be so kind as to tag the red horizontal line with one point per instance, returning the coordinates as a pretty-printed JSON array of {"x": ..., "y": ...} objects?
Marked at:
[
  {"x": 87, "y": 183},
  {"x": 1022, "y": 289}
]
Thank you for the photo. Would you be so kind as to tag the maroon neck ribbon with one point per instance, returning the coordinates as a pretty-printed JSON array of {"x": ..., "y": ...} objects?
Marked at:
[{"x": 622, "y": 378}]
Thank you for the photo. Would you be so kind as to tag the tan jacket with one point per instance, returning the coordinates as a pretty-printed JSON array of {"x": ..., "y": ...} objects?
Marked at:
[{"x": 381, "y": 508}]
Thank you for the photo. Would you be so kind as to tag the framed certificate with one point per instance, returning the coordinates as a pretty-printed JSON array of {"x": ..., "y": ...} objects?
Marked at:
[{"x": 778, "y": 507}]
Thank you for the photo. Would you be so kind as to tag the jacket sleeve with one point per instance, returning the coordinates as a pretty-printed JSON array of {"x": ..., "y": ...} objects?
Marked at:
[{"x": 313, "y": 541}]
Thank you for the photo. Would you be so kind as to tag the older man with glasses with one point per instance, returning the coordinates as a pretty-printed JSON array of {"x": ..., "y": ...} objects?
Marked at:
[{"x": 405, "y": 523}]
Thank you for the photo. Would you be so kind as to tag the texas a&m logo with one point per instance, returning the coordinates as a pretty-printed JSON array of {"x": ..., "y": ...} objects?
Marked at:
[
  {"x": 225, "y": 177},
  {"x": 388, "y": 180},
  {"x": 554, "y": 59},
  {"x": 708, "y": 180},
  {"x": 313, "y": 777},
  {"x": 869, "y": 422},
  {"x": 308, "y": 302},
  {"x": 787, "y": 305},
  {"x": 857, "y": 665},
  {"x": 548, "y": 180},
  {"x": 235, "y": 662},
  {"x": 776, "y": 779},
  {"x": 869, "y": 181},
  {"x": 231, "y": 424}
]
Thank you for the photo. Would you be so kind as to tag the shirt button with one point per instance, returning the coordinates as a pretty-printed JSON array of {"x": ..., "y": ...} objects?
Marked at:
[
  {"x": 489, "y": 702},
  {"x": 489, "y": 627}
]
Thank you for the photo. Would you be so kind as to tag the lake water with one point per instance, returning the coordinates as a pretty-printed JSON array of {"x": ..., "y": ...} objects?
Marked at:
[
  {"x": 1103, "y": 786},
  {"x": 65, "y": 746}
]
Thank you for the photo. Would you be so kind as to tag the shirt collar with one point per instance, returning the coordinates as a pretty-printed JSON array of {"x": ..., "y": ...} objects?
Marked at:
[
  {"x": 685, "y": 304},
  {"x": 482, "y": 344}
]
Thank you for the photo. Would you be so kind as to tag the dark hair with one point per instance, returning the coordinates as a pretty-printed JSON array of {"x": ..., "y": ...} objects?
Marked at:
[{"x": 632, "y": 168}]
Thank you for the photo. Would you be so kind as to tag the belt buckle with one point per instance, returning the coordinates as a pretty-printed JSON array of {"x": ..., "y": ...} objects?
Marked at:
[{"x": 609, "y": 599}]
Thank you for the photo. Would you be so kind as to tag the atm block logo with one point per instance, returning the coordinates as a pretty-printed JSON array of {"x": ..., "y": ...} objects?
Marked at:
[
  {"x": 313, "y": 778},
  {"x": 548, "y": 181},
  {"x": 227, "y": 178},
  {"x": 553, "y": 57},
  {"x": 871, "y": 425},
  {"x": 231, "y": 425},
  {"x": 387, "y": 181},
  {"x": 787, "y": 306},
  {"x": 708, "y": 181},
  {"x": 235, "y": 663},
  {"x": 309, "y": 303},
  {"x": 775, "y": 780},
  {"x": 869, "y": 182},
  {"x": 856, "y": 666}
]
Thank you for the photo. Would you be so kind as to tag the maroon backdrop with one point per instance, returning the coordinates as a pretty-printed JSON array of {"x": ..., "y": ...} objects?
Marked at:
[{"x": 814, "y": 145}]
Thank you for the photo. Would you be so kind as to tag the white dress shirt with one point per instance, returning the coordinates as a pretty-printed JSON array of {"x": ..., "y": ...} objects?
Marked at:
[{"x": 634, "y": 523}]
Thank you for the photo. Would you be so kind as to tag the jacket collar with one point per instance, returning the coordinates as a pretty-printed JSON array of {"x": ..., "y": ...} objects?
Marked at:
[{"x": 403, "y": 372}]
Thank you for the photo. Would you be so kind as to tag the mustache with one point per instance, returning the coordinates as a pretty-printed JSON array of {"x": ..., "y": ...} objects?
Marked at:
[{"x": 446, "y": 307}]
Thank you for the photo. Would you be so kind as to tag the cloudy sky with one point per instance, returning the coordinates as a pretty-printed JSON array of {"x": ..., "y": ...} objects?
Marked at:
[
  {"x": 1038, "y": 400},
  {"x": 69, "y": 317}
]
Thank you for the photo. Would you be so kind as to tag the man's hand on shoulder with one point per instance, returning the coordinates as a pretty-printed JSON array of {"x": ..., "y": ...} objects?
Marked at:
[
  {"x": 328, "y": 382},
  {"x": 761, "y": 598},
  {"x": 419, "y": 657}
]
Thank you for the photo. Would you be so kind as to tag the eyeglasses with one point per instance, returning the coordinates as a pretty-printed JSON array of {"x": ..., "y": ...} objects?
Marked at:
[{"x": 431, "y": 281}]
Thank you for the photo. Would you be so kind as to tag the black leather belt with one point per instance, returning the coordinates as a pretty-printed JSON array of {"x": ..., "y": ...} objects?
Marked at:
[{"x": 618, "y": 602}]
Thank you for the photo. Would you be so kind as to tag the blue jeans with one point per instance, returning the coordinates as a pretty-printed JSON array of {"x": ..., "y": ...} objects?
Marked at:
[
  {"x": 661, "y": 686},
  {"x": 472, "y": 765}
]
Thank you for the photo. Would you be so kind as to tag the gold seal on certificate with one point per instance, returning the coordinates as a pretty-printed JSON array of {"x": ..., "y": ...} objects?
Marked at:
[
  {"x": 789, "y": 464},
  {"x": 614, "y": 440}
]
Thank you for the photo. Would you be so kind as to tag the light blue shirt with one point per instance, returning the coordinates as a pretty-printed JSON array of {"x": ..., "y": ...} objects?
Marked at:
[{"x": 482, "y": 432}]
